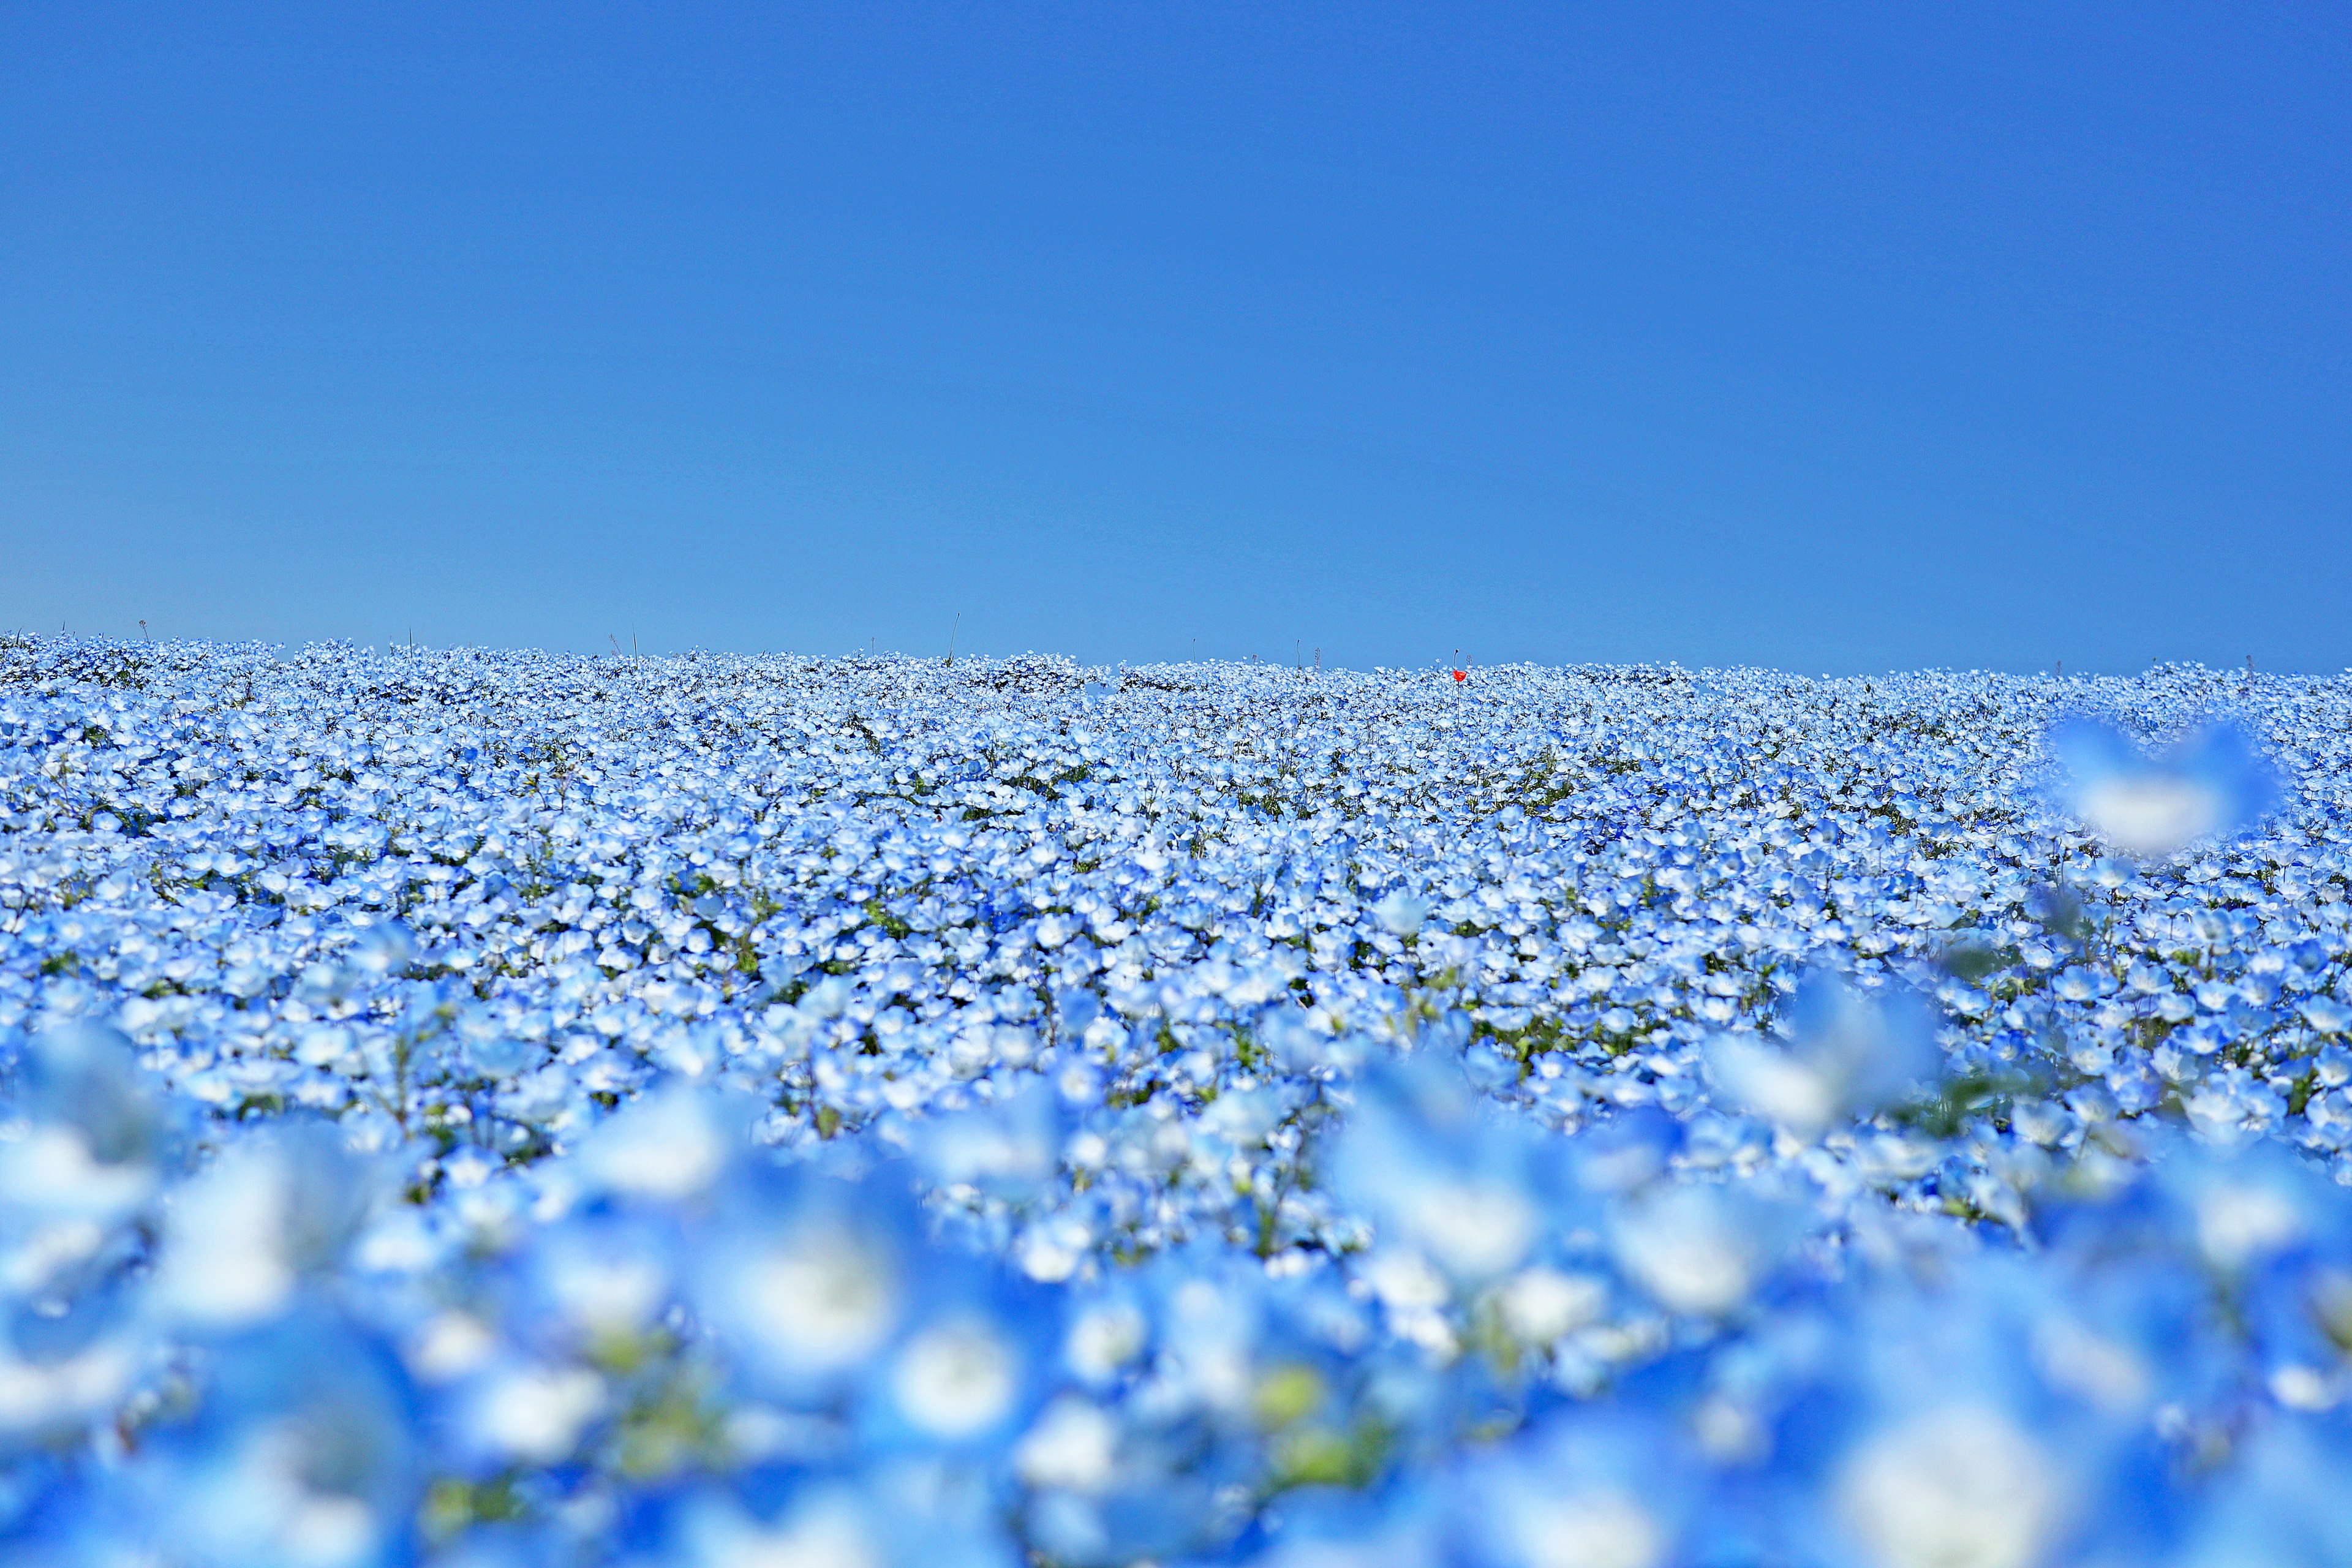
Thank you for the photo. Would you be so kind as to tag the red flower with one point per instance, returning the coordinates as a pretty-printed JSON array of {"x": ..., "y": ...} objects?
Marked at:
[{"x": 1460, "y": 675}]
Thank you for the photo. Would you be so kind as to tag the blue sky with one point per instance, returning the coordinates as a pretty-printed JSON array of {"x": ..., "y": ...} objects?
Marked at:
[{"x": 1834, "y": 336}]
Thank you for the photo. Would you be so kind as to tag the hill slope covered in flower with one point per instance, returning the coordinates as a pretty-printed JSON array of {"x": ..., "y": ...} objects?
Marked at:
[{"x": 492, "y": 1108}]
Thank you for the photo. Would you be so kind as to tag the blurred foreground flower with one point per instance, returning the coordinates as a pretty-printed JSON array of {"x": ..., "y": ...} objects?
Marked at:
[
  {"x": 2214, "y": 784},
  {"x": 1847, "y": 1056}
]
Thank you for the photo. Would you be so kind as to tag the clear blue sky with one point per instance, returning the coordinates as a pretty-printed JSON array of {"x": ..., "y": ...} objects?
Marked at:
[{"x": 1836, "y": 336}]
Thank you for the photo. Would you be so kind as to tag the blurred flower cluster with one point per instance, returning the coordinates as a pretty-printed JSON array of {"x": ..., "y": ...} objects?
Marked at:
[{"x": 490, "y": 1110}]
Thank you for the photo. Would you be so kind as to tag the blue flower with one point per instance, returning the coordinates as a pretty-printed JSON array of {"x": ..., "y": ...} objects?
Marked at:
[
  {"x": 498, "y": 1109},
  {"x": 1848, "y": 1055},
  {"x": 2213, "y": 785}
]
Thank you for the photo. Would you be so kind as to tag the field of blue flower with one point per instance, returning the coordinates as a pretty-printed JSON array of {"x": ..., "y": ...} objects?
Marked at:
[{"x": 508, "y": 1110}]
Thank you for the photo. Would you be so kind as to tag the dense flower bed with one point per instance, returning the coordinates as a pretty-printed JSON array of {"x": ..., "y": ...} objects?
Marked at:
[{"x": 495, "y": 1108}]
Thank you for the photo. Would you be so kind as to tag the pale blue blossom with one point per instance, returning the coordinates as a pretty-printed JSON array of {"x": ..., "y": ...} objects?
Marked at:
[{"x": 471, "y": 1108}]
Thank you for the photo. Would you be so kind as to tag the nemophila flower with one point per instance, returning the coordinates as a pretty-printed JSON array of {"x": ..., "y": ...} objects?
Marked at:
[
  {"x": 1702, "y": 1250},
  {"x": 1009, "y": 1150},
  {"x": 721, "y": 1109},
  {"x": 1959, "y": 1484},
  {"x": 960, "y": 1377},
  {"x": 525, "y": 1412},
  {"x": 672, "y": 1144},
  {"x": 885, "y": 1515},
  {"x": 1441, "y": 1176},
  {"x": 2213, "y": 784},
  {"x": 1611, "y": 1487},
  {"x": 273, "y": 1212},
  {"x": 1846, "y": 1055},
  {"x": 86, "y": 1152},
  {"x": 600, "y": 1283},
  {"x": 1400, "y": 913},
  {"x": 2326, "y": 1014},
  {"x": 809, "y": 1280},
  {"x": 81, "y": 1079},
  {"x": 305, "y": 1448}
]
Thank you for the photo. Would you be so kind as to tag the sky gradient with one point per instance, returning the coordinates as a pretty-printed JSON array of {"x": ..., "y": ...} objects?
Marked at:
[{"x": 1834, "y": 337}]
